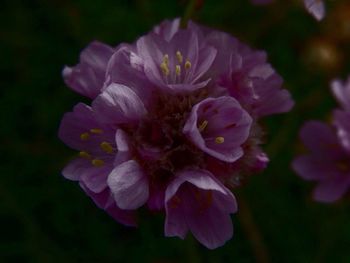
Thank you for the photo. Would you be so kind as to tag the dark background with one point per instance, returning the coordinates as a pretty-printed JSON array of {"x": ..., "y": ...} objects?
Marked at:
[{"x": 45, "y": 218}]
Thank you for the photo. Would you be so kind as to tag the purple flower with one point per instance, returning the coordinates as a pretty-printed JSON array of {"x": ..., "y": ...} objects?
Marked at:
[
  {"x": 329, "y": 159},
  {"x": 172, "y": 126},
  {"x": 328, "y": 162},
  {"x": 316, "y": 8}
]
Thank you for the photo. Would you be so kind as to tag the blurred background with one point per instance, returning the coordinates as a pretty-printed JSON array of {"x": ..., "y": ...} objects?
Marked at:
[{"x": 45, "y": 218}]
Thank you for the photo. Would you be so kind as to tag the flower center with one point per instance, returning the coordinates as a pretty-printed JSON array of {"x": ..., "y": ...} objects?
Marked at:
[
  {"x": 172, "y": 71},
  {"x": 159, "y": 138}
]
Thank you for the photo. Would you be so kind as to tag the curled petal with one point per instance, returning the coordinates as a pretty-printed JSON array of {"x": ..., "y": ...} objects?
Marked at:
[{"x": 218, "y": 126}]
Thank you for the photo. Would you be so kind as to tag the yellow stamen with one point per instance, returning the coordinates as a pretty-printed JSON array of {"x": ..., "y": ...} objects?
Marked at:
[
  {"x": 105, "y": 146},
  {"x": 203, "y": 125},
  {"x": 188, "y": 64},
  {"x": 97, "y": 162},
  {"x": 219, "y": 140},
  {"x": 84, "y": 155},
  {"x": 84, "y": 136},
  {"x": 96, "y": 131},
  {"x": 166, "y": 59},
  {"x": 179, "y": 56},
  {"x": 178, "y": 70},
  {"x": 164, "y": 68}
]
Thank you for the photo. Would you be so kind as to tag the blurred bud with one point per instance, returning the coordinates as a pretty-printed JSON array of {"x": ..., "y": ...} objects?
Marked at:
[{"x": 323, "y": 55}]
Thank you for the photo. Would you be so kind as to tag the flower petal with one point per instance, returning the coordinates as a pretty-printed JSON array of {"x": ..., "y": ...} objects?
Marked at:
[
  {"x": 88, "y": 76},
  {"x": 126, "y": 67},
  {"x": 330, "y": 190},
  {"x": 311, "y": 167},
  {"x": 129, "y": 185},
  {"x": 341, "y": 92},
  {"x": 119, "y": 104},
  {"x": 197, "y": 201},
  {"x": 315, "y": 8},
  {"x": 94, "y": 178},
  {"x": 320, "y": 139},
  {"x": 342, "y": 123},
  {"x": 167, "y": 29},
  {"x": 104, "y": 200}
]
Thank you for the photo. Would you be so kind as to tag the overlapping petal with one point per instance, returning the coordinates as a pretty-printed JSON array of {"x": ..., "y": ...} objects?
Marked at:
[
  {"x": 196, "y": 201},
  {"x": 87, "y": 78}
]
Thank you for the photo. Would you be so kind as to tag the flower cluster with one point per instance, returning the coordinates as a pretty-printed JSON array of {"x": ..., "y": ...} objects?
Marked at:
[
  {"x": 173, "y": 125},
  {"x": 329, "y": 159}
]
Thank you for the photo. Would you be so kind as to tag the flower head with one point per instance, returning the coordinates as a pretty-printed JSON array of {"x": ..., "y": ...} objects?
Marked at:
[{"x": 173, "y": 125}]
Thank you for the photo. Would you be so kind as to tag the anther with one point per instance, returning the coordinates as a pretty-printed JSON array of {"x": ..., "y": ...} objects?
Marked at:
[
  {"x": 84, "y": 136},
  {"x": 84, "y": 155},
  {"x": 97, "y": 162},
  {"x": 203, "y": 125},
  {"x": 178, "y": 70},
  {"x": 219, "y": 140},
  {"x": 164, "y": 68},
  {"x": 188, "y": 64},
  {"x": 96, "y": 131},
  {"x": 179, "y": 57},
  {"x": 166, "y": 59},
  {"x": 106, "y": 147}
]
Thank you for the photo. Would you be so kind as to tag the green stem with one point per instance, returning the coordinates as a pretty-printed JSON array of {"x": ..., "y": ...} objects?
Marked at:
[
  {"x": 252, "y": 232},
  {"x": 190, "y": 9}
]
